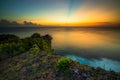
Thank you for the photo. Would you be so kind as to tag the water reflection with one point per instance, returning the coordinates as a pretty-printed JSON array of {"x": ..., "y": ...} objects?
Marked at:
[
  {"x": 87, "y": 43},
  {"x": 92, "y": 46},
  {"x": 80, "y": 39}
]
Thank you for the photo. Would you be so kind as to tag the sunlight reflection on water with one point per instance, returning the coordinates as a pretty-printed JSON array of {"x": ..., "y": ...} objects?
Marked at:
[{"x": 91, "y": 46}]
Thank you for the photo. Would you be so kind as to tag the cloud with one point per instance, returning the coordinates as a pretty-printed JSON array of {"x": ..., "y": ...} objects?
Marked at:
[
  {"x": 7, "y": 23},
  {"x": 29, "y": 23},
  {"x": 4, "y": 22}
]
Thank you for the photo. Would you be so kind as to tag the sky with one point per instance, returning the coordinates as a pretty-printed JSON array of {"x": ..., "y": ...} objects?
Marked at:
[{"x": 61, "y": 12}]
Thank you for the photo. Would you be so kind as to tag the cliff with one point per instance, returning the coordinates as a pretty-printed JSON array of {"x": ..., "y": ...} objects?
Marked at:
[{"x": 39, "y": 62}]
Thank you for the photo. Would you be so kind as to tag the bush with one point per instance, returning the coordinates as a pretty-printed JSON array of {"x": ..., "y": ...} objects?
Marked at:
[
  {"x": 11, "y": 45},
  {"x": 63, "y": 65},
  {"x": 8, "y": 38},
  {"x": 35, "y": 47},
  {"x": 8, "y": 50},
  {"x": 36, "y": 35}
]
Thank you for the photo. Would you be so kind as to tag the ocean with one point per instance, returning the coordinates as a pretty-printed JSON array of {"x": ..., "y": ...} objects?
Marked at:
[{"x": 96, "y": 47}]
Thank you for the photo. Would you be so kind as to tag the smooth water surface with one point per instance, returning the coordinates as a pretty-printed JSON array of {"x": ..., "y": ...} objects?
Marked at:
[{"x": 97, "y": 47}]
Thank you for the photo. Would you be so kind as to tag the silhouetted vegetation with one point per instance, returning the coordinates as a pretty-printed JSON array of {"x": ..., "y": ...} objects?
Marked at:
[
  {"x": 9, "y": 38},
  {"x": 11, "y": 45}
]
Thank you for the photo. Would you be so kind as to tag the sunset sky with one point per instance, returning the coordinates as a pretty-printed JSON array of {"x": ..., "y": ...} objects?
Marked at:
[{"x": 61, "y": 12}]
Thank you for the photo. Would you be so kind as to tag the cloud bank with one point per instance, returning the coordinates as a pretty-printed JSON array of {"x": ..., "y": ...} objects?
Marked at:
[{"x": 7, "y": 23}]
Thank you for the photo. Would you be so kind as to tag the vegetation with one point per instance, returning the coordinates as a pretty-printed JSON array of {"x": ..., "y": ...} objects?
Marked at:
[
  {"x": 11, "y": 45},
  {"x": 9, "y": 38},
  {"x": 8, "y": 50},
  {"x": 63, "y": 66},
  {"x": 31, "y": 59}
]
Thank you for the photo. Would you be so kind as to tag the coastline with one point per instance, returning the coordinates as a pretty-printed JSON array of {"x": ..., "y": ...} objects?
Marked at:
[{"x": 39, "y": 63}]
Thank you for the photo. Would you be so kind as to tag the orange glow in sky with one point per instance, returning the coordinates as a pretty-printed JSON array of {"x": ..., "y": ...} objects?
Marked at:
[
  {"x": 81, "y": 17},
  {"x": 62, "y": 12}
]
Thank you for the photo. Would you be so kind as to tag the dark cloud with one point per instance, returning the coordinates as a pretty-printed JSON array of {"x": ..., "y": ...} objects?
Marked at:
[
  {"x": 4, "y": 22},
  {"x": 29, "y": 23},
  {"x": 7, "y": 23}
]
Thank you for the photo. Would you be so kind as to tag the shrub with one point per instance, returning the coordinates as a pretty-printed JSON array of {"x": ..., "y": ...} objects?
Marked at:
[
  {"x": 36, "y": 35},
  {"x": 11, "y": 45},
  {"x": 63, "y": 65},
  {"x": 8, "y": 50},
  {"x": 35, "y": 47},
  {"x": 8, "y": 38}
]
